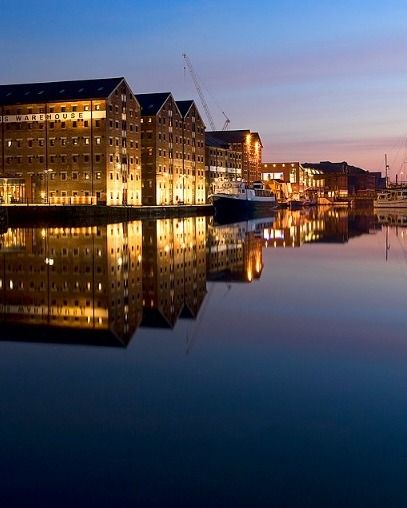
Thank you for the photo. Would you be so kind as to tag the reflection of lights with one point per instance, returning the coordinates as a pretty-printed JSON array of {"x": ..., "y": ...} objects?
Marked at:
[
  {"x": 49, "y": 261},
  {"x": 11, "y": 284},
  {"x": 43, "y": 233}
]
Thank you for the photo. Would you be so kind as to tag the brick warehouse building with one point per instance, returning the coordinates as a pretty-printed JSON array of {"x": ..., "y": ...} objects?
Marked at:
[
  {"x": 193, "y": 150},
  {"x": 249, "y": 145},
  {"x": 222, "y": 163},
  {"x": 173, "y": 150},
  {"x": 70, "y": 142}
]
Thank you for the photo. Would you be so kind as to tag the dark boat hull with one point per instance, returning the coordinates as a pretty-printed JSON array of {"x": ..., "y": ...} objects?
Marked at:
[{"x": 228, "y": 208}]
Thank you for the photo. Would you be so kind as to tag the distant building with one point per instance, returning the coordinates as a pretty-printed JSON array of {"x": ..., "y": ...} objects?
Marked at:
[
  {"x": 295, "y": 178},
  {"x": 249, "y": 145},
  {"x": 72, "y": 142},
  {"x": 343, "y": 179}
]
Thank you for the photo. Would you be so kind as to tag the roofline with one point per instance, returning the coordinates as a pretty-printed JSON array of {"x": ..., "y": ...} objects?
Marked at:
[
  {"x": 58, "y": 81},
  {"x": 122, "y": 78},
  {"x": 118, "y": 84},
  {"x": 190, "y": 106},
  {"x": 129, "y": 87},
  {"x": 158, "y": 110},
  {"x": 193, "y": 103}
]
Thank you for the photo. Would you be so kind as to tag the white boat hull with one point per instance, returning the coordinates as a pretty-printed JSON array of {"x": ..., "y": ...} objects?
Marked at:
[{"x": 396, "y": 203}]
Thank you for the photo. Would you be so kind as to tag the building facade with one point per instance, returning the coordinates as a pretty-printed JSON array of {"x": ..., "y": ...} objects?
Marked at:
[
  {"x": 173, "y": 151},
  {"x": 294, "y": 178},
  {"x": 248, "y": 144},
  {"x": 223, "y": 164},
  {"x": 70, "y": 142},
  {"x": 193, "y": 153}
]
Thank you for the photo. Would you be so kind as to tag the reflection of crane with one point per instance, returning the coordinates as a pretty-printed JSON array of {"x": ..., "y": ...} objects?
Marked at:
[{"x": 187, "y": 63}]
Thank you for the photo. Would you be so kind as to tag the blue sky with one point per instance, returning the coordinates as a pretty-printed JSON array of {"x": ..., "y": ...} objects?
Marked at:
[{"x": 318, "y": 79}]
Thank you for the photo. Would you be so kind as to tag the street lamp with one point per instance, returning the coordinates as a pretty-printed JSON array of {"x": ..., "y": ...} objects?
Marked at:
[{"x": 46, "y": 171}]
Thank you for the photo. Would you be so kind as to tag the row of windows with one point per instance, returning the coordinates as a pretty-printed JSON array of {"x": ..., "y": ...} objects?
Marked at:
[
  {"x": 118, "y": 177},
  {"x": 123, "y": 142},
  {"x": 116, "y": 124},
  {"x": 31, "y": 142},
  {"x": 178, "y": 155},
  {"x": 51, "y": 125},
  {"x": 66, "y": 141},
  {"x": 75, "y": 159},
  {"x": 217, "y": 163},
  {"x": 178, "y": 124},
  {"x": 162, "y": 137},
  {"x": 53, "y": 159},
  {"x": 224, "y": 153}
]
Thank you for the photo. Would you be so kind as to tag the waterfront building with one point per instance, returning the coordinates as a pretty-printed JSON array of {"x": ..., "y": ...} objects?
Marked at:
[
  {"x": 293, "y": 179},
  {"x": 248, "y": 144},
  {"x": 75, "y": 142},
  {"x": 161, "y": 147},
  {"x": 173, "y": 151},
  {"x": 192, "y": 179},
  {"x": 343, "y": 180},
  {"x": 223, "y": 163}
]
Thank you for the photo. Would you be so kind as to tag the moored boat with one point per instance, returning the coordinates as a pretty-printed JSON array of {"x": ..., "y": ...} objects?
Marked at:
[
  {"x": 391, "y": 198},
  {"x": 242, "y": 199}
]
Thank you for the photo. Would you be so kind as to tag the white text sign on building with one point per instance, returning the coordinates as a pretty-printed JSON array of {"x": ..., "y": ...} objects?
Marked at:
[{"x": 72, "y": 116}]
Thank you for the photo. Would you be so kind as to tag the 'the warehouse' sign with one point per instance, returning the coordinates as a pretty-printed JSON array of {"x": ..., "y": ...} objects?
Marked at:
[{"x": 72, "y": 116}]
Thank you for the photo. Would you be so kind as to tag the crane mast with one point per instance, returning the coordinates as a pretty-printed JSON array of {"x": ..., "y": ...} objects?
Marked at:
[{"x": 188, "y": 64}]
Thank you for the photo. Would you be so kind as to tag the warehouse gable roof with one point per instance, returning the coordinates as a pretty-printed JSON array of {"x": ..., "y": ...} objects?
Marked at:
[
  {"x": 184, "y": 107},
  {"x": 151, "y": 103},
  {"x": 57, "y": 91}
]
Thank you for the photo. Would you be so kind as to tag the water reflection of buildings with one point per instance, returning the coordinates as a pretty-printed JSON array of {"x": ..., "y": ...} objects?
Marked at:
[
  {"x": 295, "y": 228},
  {"x": 174, "y": 270},
  {"x": 98, "y": 284},
  {"x": 234, "y": 252},
  {"x": 85, "y": 278}
]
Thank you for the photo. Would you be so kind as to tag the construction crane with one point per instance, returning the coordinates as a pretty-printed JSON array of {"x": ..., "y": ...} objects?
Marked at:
[{"x": 188, "y": 64}]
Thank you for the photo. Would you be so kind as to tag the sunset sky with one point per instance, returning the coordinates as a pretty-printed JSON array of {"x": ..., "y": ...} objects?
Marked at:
[{"x": 319, "y": 80}]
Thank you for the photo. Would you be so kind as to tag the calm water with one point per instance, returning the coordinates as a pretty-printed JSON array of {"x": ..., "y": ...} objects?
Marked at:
[{"x": 179, "y": 363}]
